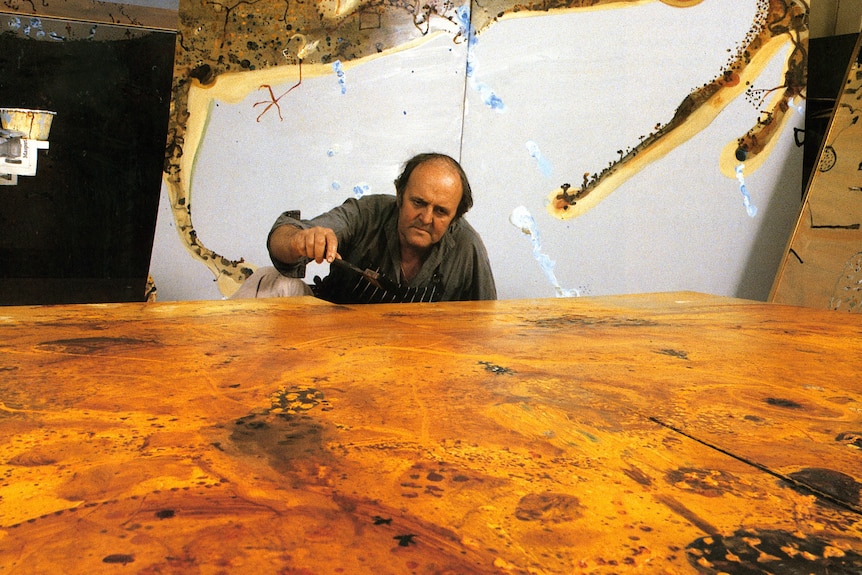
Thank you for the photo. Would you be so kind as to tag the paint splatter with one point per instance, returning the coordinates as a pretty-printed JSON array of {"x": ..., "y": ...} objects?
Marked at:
[
  {"x": 759, "y": 552},
  {"x": 522, "y": 219},
  {"x": 489, "y": 97},
  {"x": 746, "y": 197},
  {"x": 536, "y": 153},
  {"x": 361, "y": 189},
  {"x": 791, "y": 103},
  {"x": 339, "y": 71},
  {"x": 847, "y": 294},
  {"x": 34, "y": 28}
]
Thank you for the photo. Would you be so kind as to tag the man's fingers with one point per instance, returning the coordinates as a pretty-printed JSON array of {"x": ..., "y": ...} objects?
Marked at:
[
  {"x": 331, "y": 247},
  {"x": 320, "y": 244}
]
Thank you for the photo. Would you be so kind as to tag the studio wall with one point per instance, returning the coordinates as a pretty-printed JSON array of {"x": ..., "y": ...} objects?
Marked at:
[{"x": 612, "y": 146}]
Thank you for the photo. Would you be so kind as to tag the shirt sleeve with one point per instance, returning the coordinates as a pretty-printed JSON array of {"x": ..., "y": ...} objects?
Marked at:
[
  {"x": 468, "y": 268},
  {"x": 484, "y": 287},
  {"x": 297, "y": 269},
  {"x": 348, "y": 221}
]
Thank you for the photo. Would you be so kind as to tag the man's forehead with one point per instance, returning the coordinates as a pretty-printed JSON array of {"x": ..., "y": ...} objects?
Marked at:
[{"x": 433, "y": 172}]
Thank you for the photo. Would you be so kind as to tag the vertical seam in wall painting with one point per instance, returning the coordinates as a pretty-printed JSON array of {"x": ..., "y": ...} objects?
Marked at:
[
  {"x": 835, "y": 12},
  {"x": 469, "y": 40}
]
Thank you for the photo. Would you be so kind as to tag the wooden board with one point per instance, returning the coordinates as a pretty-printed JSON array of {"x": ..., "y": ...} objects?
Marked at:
[
  {"x": 595, "y": 435},
  {"x": 822, "y": 266}
]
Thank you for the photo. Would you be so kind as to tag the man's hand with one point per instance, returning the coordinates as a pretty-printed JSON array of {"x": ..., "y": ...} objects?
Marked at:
[{"x": 289, "y": 243}]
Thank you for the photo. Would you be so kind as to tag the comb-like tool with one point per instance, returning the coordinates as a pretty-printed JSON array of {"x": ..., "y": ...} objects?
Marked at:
[{"x": 375, "y": 278}]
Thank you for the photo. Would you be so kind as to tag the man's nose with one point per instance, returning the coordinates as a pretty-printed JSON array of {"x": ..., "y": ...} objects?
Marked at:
[{"x": 426, "y": 215}]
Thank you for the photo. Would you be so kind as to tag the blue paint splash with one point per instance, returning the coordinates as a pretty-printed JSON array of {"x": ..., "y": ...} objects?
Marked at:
[
  {"x": 798, "y": 107},
  {"x": 35, "y": 25},
  {"x": 361, "y": 189},
  {"x": 489, "y": 97},
  {"x": 339, "y": 71},
  {"x": 535, "y": 152},
  {"x": 522, "y": 219},
  {"x": 746, "y": 197}
]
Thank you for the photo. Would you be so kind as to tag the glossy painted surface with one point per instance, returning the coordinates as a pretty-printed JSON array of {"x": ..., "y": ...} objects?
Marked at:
[{"x": 675, "y": 433}]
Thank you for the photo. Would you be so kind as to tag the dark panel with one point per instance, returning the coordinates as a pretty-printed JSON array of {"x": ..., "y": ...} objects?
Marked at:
[
  {"x": 828, "y": 60},
  {"x": 81, "y": 230}
]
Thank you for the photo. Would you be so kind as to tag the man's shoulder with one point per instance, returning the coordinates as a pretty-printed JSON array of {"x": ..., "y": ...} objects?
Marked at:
[
  {"x": 462, "y": 237},
  {"x": 377, "y": 200},
  {"x": 462, "y": 228}
]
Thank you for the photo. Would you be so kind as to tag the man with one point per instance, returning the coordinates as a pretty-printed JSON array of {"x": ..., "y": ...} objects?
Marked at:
[{"x": 414, "y": 246}]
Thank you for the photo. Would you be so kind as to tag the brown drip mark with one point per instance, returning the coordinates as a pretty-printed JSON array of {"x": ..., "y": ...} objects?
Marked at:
[
  {"x": 674, "y": 353},
  {"x": 92, "y": 345},
  {"x": 779, "y": 402},
  {"x": 569, "y": 320},
  {"x": 121, "y": 558}
]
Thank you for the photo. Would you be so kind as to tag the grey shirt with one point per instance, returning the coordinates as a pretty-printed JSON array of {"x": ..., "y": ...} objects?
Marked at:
[{"x": 456, "y": 269}]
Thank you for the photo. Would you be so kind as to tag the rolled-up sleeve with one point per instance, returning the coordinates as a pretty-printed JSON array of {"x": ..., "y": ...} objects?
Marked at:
[{"x": 296, "y": 269}]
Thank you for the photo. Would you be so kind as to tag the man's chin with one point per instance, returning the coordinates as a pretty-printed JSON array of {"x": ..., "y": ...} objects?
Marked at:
[{"x": 419, "y": 239}]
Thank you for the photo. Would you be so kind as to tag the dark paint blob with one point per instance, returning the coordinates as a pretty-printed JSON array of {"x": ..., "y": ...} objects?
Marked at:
[
  {"x": 674, "y": 353},
  {"x": 496, "y": 369},
  {"x": 548, "y": 507},
  {"x": 770, "y": 551},
  {"x": 121, "y": 558},
  {"x": 203, "y": 73},
  {"x": 778, "y": 402},
  {"x": 834, "y": 483},
  {"x": 706, "y": 482},
  {"x": 95, "y": 345},
  {"x": 638, "y": 476},
  {"x": 165, "y": 513},
  {"x": 405, "y": 540},
  {"x": 851, "y": 438}
]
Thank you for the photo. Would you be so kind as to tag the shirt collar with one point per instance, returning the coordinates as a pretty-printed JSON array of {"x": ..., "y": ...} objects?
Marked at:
[{"x": 437, "y": 250}]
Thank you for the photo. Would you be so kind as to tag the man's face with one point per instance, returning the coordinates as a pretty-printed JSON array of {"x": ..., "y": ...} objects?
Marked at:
[{"x": 429, "y": 204}]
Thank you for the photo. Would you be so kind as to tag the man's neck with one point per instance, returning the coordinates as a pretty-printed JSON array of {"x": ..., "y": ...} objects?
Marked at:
[{"x": 411, "y": 262}]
